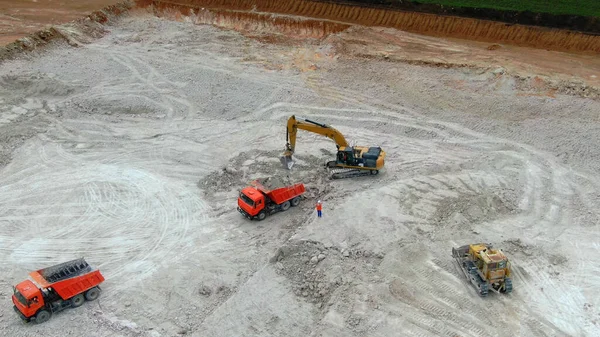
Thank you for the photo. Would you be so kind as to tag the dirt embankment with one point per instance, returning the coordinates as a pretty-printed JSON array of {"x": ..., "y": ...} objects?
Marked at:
[
  {"x": 20, "y": 18},
  {"x": 588, "y": 24},
  {"x": 423, "y": 23},
  {"x": 252, "y": 23},
  {"x": 75, "y": 33}
]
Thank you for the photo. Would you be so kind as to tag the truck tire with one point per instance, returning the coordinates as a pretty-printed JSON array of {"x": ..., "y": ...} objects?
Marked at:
[
  {"x": 77, "y": 300},
  {"x": 261, "y": 216},
  {"x": 92, "y": 294},
  {"x": 295, "y": 201},
  {"x": 285, "y": 206},
  {"x": 42, "y": 316}
]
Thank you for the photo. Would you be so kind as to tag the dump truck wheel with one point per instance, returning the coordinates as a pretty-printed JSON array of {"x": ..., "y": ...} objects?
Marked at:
[
  {"x": 374, "y": 172},
  {"x": 42, "y": 316},
  {"x": 92, "y": 294},
  {"x": 285, "y": 206},
  {"x": 295, "y": 201},
  {"x": 77, "y": 301},
  {"x": 261, "y": 216}
]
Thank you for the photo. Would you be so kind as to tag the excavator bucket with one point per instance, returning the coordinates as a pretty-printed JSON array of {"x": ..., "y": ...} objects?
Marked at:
[{"x": 287, "y": 159}]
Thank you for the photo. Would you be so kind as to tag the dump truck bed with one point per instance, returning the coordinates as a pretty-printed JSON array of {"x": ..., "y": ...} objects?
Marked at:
[
  {"x": 280, "y": 194},
  {"x": 68, "y": 279}
]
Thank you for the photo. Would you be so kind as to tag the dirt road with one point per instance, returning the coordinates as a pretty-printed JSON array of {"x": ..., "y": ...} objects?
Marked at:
[{"x": 130, "y": 151}]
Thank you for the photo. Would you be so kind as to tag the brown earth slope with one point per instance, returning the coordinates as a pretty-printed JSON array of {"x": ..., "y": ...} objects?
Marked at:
[
  {"x": 20, "y": 18},
  {"x": 429, "y": 24}
]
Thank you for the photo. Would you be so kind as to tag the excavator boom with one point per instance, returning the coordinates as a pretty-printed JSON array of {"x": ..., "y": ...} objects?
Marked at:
[{"x": 294, "y": 124}]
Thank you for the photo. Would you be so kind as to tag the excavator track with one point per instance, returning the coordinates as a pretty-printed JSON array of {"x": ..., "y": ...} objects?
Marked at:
[
  {"x": 344, "y": 173},
  {"x": 480, "y": 284},
  {"x": 507, "y": 285},
  {"x": 470, "y": 270}
]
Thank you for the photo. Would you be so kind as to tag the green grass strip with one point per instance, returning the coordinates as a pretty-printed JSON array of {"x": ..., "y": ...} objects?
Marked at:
[{"x": 570, "y": 7}]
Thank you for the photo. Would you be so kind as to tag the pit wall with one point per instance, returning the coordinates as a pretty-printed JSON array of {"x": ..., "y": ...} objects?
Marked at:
[
  {"x": 251, "y": 23},
  {"x": 422, "y": 23}
]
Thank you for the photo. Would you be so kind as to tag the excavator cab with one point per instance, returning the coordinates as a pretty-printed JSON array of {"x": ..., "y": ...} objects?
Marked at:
[{"x": 346, "y": 156}]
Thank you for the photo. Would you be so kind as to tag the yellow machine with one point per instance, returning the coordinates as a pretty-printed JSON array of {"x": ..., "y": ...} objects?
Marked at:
[
  {"x": 487, "y": 268},
  {"x": 350, "y": 161}
]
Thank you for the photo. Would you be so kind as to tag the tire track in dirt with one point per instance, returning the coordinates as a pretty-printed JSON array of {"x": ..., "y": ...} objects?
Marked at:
[
  {"x": 96, "y": 205},
  {"x": 544, "y": 200}
]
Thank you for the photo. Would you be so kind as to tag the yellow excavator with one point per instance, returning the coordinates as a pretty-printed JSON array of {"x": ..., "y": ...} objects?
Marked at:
[{"x": 351, "y": 161}]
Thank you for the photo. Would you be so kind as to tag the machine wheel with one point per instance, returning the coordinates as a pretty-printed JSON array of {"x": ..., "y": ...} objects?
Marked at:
[
  {"x": 42, "y": 316},
  {"x": 374, "y": 172},
  {"x": 285, "y": 206},
  {"x": 92, "y": 294},
  {"x": 295, "y": 201},
  {"x": 77, "y": 300},
  {"x": 261, "y": 216}
]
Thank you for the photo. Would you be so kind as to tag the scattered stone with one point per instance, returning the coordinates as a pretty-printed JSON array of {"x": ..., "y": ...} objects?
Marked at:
[
  {"x": 205, "y": 291},
  {"x": 230, "y": 170},
  {"x": 314, "y": 260},
  {"x": 182, "y": 332},
  {"x": 320, "y": 305},
  {"x": 498, "y": 71},
  {"x": 127, "y": 304},
  {"x": 346, "y": 253},
  {"x": 321, "y": 257}
]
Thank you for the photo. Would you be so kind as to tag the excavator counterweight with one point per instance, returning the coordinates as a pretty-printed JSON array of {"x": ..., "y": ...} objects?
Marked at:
[{"x": 351, "y": 161}]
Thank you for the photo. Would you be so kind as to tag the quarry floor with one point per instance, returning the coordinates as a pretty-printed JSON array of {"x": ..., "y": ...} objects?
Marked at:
[{"x": 130, "y": 151}]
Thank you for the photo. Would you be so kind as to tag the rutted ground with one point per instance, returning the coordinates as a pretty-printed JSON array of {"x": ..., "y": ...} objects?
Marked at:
[{"x": 130, "y": 151}]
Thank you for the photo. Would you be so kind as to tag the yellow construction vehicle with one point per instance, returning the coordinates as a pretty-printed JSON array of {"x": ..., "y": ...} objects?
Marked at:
[
  {"x": 350, "y": 161},
  {"x": 487, "y": 268}
]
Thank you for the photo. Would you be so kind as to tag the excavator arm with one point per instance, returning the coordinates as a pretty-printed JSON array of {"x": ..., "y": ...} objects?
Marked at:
[{"x": 294, "y": 124}]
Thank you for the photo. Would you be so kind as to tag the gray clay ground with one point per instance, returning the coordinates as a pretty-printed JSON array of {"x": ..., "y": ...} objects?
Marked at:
[{"x": 130, "y": 151}]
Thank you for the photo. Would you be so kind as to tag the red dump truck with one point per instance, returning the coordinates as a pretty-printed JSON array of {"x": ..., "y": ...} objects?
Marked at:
[
  {"x": 257, "y": 201},
  {"x": 56, "y": 288}
]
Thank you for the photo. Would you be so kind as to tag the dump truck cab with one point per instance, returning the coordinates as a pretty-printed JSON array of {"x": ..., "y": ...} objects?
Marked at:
[
  {"x": 251, "y": 201},
  {"x": 27, "y": 298}
]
